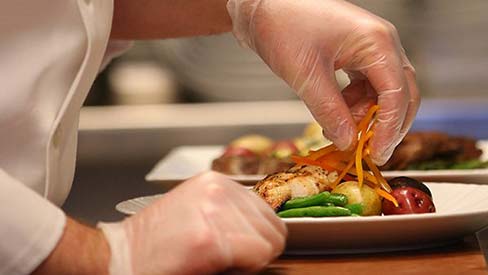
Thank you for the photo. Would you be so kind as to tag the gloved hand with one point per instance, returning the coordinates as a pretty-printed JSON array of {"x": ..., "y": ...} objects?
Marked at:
[
  {"x": 305, "y": 41},
  {"x": 206, "y": 225}
]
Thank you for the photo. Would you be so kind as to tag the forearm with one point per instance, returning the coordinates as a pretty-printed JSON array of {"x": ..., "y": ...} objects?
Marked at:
[
  {"x": 81, "y": 250},
  {"x": 154, "y": 19}
]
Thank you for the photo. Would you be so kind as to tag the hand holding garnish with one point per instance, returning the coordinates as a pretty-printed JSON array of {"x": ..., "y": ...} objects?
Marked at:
[{"x": 349, "y": 164}]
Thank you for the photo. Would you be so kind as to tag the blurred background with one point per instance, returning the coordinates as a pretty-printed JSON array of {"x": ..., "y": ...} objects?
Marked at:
[{"x": 208, "y": 90}]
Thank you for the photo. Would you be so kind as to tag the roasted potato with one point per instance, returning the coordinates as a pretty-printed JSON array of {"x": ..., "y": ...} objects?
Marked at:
[
  {"x": 365, "y": 195},
  {"x": 256, "y": 143}
]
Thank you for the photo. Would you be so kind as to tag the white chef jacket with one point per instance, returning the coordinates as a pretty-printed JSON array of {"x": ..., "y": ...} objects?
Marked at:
[{"x": 50, "y": 53}]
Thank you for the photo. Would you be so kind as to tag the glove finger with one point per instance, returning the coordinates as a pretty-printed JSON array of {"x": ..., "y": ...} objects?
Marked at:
[
  {"x": 414, "y": 103},
  {"x": 269, "y": 214},
  {"x": 324, "y": 100},
  {"x": 224, "y": 220},
  {"x": 222, "y": 211},
  {"x": 234, "y": 210},
  {"x": 265, "y": 221},
  {"x": 388, "y": 79},
  {"x": 250, "y": 202},
  {"x": 249, "y": 253}
]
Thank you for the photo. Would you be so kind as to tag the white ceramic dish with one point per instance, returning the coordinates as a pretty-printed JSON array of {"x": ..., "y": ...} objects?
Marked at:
[
  {"x": 132, "y": 206},
  {"x": 462, "y": 209},
  {"x": 187, "y": 161}
]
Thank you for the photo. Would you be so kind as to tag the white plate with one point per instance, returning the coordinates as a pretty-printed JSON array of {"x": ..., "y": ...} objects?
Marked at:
[
  {"x": 186, "y": 161},
  {"x": 462, "y": 209},
  {"x": 132, "y": 206}
]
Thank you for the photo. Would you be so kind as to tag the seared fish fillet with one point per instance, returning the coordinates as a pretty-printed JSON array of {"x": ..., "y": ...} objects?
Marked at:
[{"x": 298, "y": 181}]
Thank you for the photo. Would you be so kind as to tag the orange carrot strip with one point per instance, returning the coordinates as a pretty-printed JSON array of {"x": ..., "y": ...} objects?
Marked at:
[
  {"x": 343, "y": 173},
  {"x": 363, "y": 125},
  {"x": 342, "y": 166},
  {"x": 376, "y": 172},
  {"x": 366, "y": 174},
  {"x": 359, "y": 158},
  {"x": 338, "y": 163},
  {"x": 336, "y": 156},
  {"x": 314, "y": 155},
  {"x": 386, "y": 196},
  {"x": 370, "y": 184},
  {"x": 304, "y": 160}
]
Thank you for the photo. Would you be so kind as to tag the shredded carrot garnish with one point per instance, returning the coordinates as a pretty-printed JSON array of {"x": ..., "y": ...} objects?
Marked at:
[
  {"x": 336, "y": 156},
  {"x": 304, "y": 160},
  {"x": 386, "y": 196},
  {"x": 359, "y": 155},
  {"x": 376, "y": 172},
  {"x": 322, "y": 152},
  {"x": 352, "y": 171},
  {"x": 343, "y": 173},
  {"x": 367, "y": 176},
  {"x": 366, "y": 121},
  {"x": 349, "y": 164}
]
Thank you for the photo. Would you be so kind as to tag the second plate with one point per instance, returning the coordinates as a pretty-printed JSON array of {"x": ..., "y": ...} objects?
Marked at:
[{"x": 187, "y": 161}]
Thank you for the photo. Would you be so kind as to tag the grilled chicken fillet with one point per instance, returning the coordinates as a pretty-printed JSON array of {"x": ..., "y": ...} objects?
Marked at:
[{"x": 298, "y": 181}]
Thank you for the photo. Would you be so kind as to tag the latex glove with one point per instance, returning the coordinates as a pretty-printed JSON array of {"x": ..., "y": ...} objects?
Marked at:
[
  {"x": 206, "y": 225},
  {"x": 305, "y": 41}
]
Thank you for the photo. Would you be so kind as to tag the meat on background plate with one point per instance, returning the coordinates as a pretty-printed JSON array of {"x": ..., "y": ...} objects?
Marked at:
[{"x": 419, "y": 147}]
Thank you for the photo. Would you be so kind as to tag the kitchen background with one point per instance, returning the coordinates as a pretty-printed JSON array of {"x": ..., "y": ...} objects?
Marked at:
[{"x": 208, "y": 90}]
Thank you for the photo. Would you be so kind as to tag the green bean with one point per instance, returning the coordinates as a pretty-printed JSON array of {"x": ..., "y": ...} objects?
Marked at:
[
  {"x": 315, "y": 211},
  {"x": 321, "y": 199},
  {"x": 314, "y": 200},
  {"x": 355, "y": 208},
  {"x": 337, "y": 199}
]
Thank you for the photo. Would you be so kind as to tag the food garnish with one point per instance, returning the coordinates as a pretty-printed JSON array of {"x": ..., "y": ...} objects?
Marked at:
[{"x": 349, "y": 164}]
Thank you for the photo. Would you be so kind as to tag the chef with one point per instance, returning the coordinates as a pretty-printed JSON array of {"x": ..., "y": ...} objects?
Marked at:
[{"x": 50, "y": 54}]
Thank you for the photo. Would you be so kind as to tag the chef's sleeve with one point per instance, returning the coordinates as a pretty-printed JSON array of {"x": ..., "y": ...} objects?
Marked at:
[
  {"x": 30, "y": 227},
  {"x": 50, "y": 52}
]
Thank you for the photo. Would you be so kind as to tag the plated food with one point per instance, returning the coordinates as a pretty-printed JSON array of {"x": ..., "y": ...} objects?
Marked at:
[
  {"x": 346, "y": 199},
  {"x": 260, "y": 155},
  {"x": 435, "y": 151},
  {"x": 255, "y": 155},
  {"x": 329, "y": 182}
]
